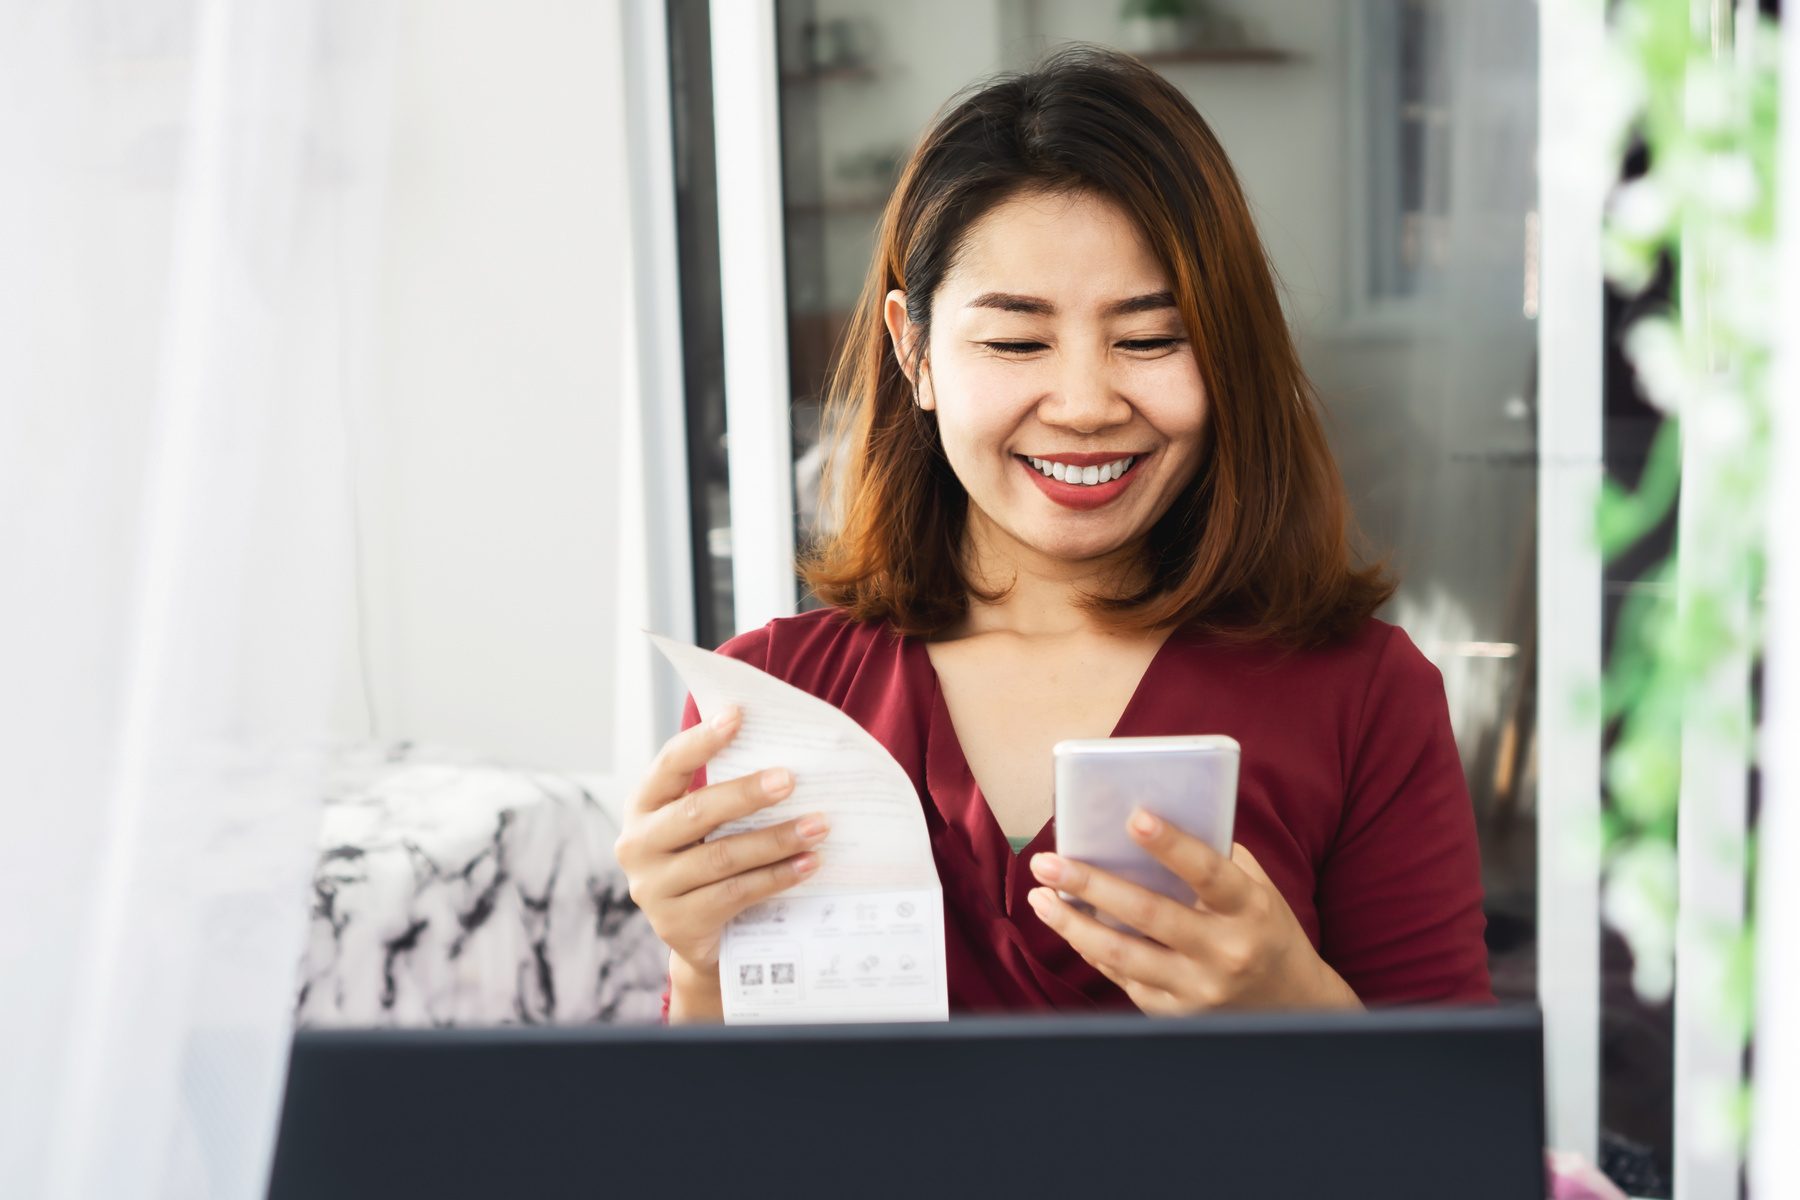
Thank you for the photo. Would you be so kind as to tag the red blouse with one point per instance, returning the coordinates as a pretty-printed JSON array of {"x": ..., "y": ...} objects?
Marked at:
[{"x": 1350, "y": 795}]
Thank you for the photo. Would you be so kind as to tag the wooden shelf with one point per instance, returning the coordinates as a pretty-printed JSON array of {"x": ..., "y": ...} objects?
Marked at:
[
  {"x": 1268, "y": 55},
  {"x": 828, "y": 75}
]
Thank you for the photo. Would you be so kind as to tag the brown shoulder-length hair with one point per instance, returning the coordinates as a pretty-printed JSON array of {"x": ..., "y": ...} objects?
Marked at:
[{"x": 1257, "y": 545}]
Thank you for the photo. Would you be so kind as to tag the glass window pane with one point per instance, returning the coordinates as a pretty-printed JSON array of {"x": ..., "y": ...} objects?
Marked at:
[{"x": 1388, "y": 148}]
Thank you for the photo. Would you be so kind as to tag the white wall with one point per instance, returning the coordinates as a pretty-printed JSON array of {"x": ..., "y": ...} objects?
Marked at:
[{"x": 489, "y": 500}]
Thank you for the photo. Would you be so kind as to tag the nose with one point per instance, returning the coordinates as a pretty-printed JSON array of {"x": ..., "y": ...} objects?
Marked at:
[{"x": 1083, "y": 398}]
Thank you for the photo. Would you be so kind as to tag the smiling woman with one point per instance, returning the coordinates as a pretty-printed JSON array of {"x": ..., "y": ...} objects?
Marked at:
[
  {"x": 1095, "y": 174},
  {"x": 1084, "y": 491},
  {"x": 1058, "y": 389}
]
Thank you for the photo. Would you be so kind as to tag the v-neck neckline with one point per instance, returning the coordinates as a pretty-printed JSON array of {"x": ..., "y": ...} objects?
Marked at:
[{"x": 940, "y": 720}]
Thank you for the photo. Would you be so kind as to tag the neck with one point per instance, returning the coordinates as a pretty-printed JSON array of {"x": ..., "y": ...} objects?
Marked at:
[{"x": 1041, "y": 595}]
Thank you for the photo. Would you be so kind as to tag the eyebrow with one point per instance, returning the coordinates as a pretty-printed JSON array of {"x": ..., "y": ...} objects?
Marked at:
[
  {"x": 1152, "y": 302},
  {"x": 1009, "y": 302}
]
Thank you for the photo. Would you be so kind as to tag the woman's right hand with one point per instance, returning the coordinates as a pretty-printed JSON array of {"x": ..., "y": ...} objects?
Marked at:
[{"x": 689, "y": 888}]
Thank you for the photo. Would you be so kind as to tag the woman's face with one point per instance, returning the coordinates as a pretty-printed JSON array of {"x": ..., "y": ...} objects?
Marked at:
[{"x": 1065, "y": 386}]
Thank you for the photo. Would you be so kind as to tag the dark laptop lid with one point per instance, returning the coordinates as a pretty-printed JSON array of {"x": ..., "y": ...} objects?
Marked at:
[{"x": 1393, "y": 1104}]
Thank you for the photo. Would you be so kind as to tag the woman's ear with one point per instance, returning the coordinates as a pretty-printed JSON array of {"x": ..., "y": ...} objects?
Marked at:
[{"x": 905, "y": 336}]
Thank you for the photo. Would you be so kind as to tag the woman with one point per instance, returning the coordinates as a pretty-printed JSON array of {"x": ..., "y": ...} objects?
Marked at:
[{"x": 1087, "y": 494}]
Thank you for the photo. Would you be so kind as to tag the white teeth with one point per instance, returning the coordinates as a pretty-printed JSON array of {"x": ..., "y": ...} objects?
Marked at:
[{"x": 1084, "y": 476}]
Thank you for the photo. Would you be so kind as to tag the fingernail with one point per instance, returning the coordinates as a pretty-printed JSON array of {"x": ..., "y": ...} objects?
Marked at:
[
  {"x": 1144, "y": 825},
  {"x": 806, "y": 864},
  {"x": 813, "y": 828},
  {"x": 1040, "y": 900},
  {"x": 1047, "y": 867},
  {"x": 724, "y": 717},
  {"x": 776, "y": 780}
]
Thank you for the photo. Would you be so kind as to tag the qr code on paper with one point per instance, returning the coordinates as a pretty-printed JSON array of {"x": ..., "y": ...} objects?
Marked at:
[
  {"x": 750, "y": 975},
  {"x": 781, "y": 973}
]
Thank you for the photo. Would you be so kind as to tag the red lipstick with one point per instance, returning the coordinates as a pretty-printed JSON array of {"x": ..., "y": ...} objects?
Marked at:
[{"x": 1079, "y": 496}]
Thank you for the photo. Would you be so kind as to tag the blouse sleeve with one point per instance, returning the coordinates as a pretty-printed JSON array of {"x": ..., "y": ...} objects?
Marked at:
[{"x": 1399, "y": 894}]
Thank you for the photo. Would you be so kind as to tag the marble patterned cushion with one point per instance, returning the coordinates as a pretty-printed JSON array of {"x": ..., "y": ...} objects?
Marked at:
[{"x": 455, "y": 892}]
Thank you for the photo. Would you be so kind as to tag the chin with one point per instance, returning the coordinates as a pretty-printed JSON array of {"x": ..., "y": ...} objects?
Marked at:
[
  {"x": 1076, "y": 546},
  {"x": 1033, "y": 523}
]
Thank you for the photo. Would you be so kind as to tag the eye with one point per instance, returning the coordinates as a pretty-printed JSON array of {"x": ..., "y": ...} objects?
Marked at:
[
  {"x": 1151, "y": 345},
  {"x": 1016, "y": 347}
]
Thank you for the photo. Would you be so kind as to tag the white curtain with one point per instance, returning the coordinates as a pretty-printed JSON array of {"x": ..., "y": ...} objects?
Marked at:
[{"x": 189, "y": 204}]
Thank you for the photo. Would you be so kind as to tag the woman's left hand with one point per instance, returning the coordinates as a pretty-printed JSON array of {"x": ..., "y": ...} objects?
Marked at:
[{"x": 1238, "y": 946}]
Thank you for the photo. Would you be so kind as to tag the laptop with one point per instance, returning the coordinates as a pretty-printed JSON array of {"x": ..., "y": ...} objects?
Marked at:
[{"x": 1392, "y": 1104}]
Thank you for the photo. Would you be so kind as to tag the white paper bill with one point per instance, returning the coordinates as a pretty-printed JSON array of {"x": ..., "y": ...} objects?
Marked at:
[{"x": 863, "y": 938}]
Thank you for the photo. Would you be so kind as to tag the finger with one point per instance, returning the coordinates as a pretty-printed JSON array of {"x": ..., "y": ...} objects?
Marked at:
[
  {"x": 1155, "y": 1000},
  {"x": 1220, "y": 884},
  {"x": 1150, "y": 913},
  {"x": 721, "y": 858},
  {"x": 1112, "y": 975},
  {"x": 1110, "y": 951},
  {"x": 1246, "y": 862},
  {"x": 701, "y": 811},
  {"x": 1149, "y": 999},
  {"x": 711, "y": 908},
  {"x": 673, "y": 769}
]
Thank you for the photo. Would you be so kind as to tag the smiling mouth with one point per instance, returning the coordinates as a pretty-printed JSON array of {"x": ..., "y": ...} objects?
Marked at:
[
  {"x": 1083, "y": 482},
  {"x": 1082, "y": 476}
]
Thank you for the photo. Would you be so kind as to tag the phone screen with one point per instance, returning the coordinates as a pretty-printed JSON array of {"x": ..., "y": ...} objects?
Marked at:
[{"x": 1189, "y": 782}]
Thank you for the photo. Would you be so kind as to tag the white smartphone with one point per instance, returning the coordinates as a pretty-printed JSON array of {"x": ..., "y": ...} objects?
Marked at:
[{"x": 1190, "y": 782}]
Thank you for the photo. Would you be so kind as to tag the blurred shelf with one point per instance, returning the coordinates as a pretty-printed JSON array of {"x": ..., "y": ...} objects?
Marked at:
[
  {"x": 1235, "y": 54},
  {"x": 828, "y": 75}
]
